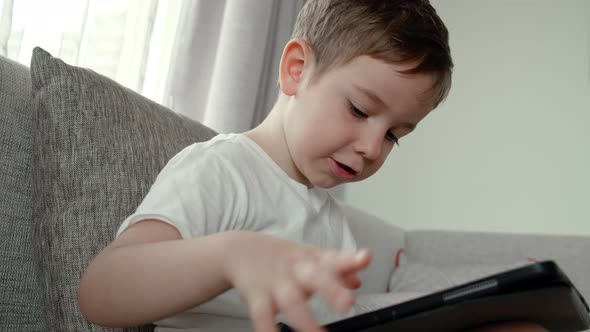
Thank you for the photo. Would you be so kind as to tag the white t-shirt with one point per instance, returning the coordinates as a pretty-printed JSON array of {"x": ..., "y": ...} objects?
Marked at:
[{"x": 230, "y": 183}]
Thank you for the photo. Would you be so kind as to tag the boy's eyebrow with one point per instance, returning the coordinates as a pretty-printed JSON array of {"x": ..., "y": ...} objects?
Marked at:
[{"x": 374, "y": 98}]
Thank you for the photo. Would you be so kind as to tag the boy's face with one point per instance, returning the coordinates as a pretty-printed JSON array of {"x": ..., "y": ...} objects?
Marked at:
[{"x": 341, "y": 126}]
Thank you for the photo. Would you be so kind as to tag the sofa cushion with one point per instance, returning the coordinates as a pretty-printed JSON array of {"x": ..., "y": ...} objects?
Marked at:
[
  {"x": 414, "y": 276},
  {"x": 20, "y": 303},
  {"x": 98, "y": 149}
]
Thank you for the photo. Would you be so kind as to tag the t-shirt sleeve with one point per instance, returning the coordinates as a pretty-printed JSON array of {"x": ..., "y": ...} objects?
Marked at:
[{"x": 198, "y": 192}]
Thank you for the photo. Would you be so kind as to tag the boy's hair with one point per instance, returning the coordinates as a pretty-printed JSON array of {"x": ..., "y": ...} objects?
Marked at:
[{"x": 390, "y": 30}]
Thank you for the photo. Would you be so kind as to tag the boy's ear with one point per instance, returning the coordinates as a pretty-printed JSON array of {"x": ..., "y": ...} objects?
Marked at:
[{"x": 296, "y": 65}]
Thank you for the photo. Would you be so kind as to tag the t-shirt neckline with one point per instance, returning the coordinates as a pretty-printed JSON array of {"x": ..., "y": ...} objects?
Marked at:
[{"x": 300, "y": 187}]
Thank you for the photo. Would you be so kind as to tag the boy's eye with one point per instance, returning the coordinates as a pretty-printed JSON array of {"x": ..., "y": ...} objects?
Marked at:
[
  {"x": 356, "y": 112},
  {"x": 390, "y": 136}
]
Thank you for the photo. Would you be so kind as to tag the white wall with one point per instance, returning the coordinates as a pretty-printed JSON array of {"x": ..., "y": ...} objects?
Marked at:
[{"x": 510, "y": 148}]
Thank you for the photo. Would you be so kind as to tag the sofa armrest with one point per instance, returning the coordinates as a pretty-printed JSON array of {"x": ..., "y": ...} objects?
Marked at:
[
  {"x": 448, "y": 248},
  {"x": 383, "y": 239}
]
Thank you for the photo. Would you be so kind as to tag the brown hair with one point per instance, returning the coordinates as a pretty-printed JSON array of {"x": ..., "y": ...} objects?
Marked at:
[{"x": 390, "y": 30}]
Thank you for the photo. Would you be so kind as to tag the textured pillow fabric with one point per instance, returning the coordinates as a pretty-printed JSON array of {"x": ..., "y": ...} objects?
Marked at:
[
  {"x": 98, "y": 148},
  {"x": 412, "y": 276},
  {"x": 20, "y": 300}
]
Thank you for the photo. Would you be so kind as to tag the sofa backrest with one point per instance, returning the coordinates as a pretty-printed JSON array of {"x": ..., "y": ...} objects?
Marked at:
[{"x": 20, "y": 303}]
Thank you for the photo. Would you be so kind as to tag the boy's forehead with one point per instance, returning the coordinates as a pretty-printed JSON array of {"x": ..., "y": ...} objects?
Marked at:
[{"x": 378, "y": 79}]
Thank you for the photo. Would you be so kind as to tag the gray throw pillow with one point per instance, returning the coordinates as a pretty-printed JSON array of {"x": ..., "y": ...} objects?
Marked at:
[{"x": 98, "y": 148}]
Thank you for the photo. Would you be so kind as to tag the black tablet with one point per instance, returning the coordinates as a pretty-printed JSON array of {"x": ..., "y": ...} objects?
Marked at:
[{"x": 539, "y": 292}]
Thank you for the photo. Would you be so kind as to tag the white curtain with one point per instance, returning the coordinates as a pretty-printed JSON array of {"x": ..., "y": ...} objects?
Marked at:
[
  {"x": 226, "y": 66},
  {"x": 113, "y": 37},
  {"x": 212, "y": 60},
  {"x": 5, "y": 23}
]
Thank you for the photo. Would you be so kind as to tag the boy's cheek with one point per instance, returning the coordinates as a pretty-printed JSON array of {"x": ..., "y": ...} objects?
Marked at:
[{"x": 371, "y": 170}]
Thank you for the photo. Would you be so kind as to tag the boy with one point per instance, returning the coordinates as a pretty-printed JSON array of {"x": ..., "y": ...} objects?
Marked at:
[{"x": 241, "y": 225}]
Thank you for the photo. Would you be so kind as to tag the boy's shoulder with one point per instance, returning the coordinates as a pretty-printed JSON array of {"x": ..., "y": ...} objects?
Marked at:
[
  {"x": 219, "y": 145},
  {"x": 227, "y": 149}
]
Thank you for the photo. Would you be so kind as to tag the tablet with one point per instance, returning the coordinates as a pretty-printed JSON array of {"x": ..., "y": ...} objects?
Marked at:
[{"x": 539, "y": 292}]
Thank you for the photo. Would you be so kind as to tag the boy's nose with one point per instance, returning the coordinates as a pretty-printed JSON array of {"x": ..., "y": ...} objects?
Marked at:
[{"x": 369, "y": 145}]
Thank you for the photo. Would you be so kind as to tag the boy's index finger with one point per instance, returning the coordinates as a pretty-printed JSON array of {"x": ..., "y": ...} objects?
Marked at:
[
  {"x": 364, "y": 254},
  {"x": 345, "y": 263}
]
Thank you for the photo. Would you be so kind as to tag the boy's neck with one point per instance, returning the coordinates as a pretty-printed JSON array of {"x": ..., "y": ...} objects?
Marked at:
[{"x": 270, "y": 136}]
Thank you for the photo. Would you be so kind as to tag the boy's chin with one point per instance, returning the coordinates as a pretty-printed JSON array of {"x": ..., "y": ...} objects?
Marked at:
[{"x": 327, "y": 183}]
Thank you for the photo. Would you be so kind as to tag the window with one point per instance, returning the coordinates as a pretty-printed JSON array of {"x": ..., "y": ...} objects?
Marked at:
[{"x": 130, "y": 41}]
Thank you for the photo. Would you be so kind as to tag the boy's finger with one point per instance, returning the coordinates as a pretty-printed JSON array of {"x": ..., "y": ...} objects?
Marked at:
[
  {"x": 262, "y": 315},
  {"x": 292, "y": 303},
  {"x": 345, "y": 263},
  {"x": 325, "y": 283},
  {"x": 351, "y": 281}
]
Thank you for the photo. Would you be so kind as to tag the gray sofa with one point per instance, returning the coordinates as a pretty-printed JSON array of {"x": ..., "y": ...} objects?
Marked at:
[{"x": 78, "y": 152}]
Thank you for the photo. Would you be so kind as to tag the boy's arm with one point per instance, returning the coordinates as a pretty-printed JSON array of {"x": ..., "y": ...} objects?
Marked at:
[{"x": 149, "y": 273}]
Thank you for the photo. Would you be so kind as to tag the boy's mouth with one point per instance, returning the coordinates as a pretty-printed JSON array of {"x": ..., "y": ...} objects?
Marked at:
[
  {"x": 346, "y": 168},
  {"x": 343, "y": 171}
]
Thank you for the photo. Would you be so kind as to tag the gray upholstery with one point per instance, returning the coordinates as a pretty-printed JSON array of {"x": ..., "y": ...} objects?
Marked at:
[
  {"x": 20, "y": 305},
  {"x": 98, "y": 149},
  {"x": 454, "y": 249},
  {"x": 383, "y": 239}
]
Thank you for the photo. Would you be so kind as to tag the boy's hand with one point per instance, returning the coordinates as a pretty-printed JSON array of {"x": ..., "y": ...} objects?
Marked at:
[{"x": 274, "y": 275}]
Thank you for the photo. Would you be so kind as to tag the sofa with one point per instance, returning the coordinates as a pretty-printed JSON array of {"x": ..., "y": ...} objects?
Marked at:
[{"x": 78, "y": 153}]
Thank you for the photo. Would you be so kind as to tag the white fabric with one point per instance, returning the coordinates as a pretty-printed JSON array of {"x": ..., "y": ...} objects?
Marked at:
[
  {"x": 225, "y": 66},
  {"x": 5, "y": 23},
  {"x": 118, "y": 39},
  {"x": 230, "y": 183}
]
